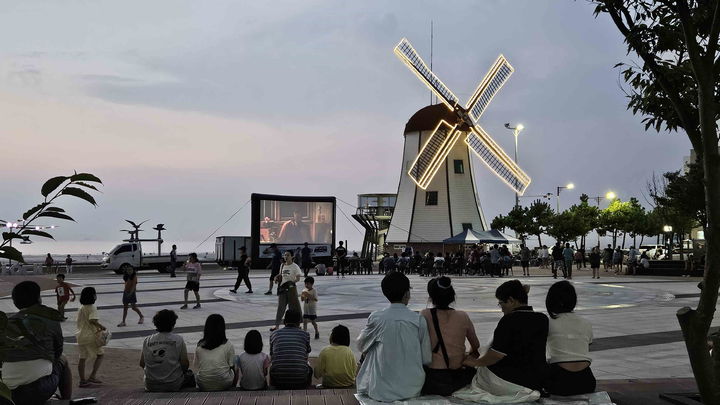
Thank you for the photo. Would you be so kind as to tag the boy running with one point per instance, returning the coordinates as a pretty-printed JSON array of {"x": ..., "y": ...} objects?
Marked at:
[
  {"x": 63, "y": 291},
  {"x": 309, "y": 298}
]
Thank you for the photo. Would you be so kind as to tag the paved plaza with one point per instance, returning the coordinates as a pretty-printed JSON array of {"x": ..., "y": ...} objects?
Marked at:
[{"x": 633, "y": 318}]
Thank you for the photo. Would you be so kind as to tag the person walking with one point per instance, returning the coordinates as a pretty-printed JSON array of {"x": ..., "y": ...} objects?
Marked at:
[
  {"x": 495, "y": 261},
  {"x": 607, "y": 257},
  {"x": 340, "y": 253},
  {"x": 525, "y": 259},
  {"x": 49, "y": 263},
  {"x": 306, "y": 259},
  {"x": 558, "y": 262},
  {"x": 275, "y": 264},
  {"x": 617, "y": 259},
  {"x": 243, "y": 269},
  {"x": 173, "y": 260},
  {"x": 68, "y": 265},
  {"x": 595, "y": 262},
  {"x": 62, "y": 292},
  {"x": 129, "y": 297},
  {"x": 290, "y": 274},
  {"x": 568, "y": 256},
  {"x": 88, "y": 326},
  {"x": 193, "y": 268}
]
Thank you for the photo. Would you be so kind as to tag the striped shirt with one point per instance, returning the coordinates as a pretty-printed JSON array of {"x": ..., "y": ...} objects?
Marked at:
[{"x": 289, "y": 349}]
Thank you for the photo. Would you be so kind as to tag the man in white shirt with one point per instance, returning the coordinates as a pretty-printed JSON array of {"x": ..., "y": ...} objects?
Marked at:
[{"x": 395, "y": 344}]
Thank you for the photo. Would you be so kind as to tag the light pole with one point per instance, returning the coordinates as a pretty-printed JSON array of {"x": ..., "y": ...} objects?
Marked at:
[
  {"x": 610, "y": 196},
  {"x": 516, "y": 131},
  {"x": 569, "y": 186}
]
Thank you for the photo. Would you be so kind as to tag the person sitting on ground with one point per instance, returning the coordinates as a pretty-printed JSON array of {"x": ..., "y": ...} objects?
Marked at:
[
  {"x": 253, "y": 364},
  {"x": 517, "y": 352},
  {"x": 164, "y": 356},
  {"x": 569, "y": 335},
  {"x": 448, "y": 330},
  {"x": 395, "y": 344},
  {"x": 215, "y": 357},
  {"x": 88, "y": 326},
  {"x": 336, "y": 363},
  {"x": 63, "y": 291},
  {"x": 34, "y": 366},
  {"x": 289, "y": 349}
]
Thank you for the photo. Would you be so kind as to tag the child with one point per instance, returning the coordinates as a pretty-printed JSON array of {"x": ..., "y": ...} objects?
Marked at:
[
  {"x": 336, "y": 364},
  {"x": 309, "y": 298},
  {"x": 63, "y": 291},
  {"x": 87, "y": 328},
  {"x": 253, "y": 363}
]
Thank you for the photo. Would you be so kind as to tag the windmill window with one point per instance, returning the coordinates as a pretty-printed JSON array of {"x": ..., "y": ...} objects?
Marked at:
[
  {"x": 431, "y": 198},
  {"x": 459, "y": 167},
  {"x": 466, "y": 226}
]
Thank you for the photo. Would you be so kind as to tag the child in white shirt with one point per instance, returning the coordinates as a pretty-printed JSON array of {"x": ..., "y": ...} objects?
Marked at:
[
  {"x": 253, "y": 363},
  {"x": 309, "y": 298}
]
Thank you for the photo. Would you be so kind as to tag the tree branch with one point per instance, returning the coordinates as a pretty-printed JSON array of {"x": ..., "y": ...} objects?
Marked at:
[{"x": 690, "y": 33}]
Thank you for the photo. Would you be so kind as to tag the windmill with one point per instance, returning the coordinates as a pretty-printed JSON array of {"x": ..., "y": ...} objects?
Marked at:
[
  {"x": 436, "y": 196},
  {"x": 446, "y": 134}
]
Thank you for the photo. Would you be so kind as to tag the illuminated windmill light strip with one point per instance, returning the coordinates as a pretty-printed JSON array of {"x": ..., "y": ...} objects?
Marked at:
[
  {"x": 433, "y": 153},
  {"x": 439, "y": 144}
]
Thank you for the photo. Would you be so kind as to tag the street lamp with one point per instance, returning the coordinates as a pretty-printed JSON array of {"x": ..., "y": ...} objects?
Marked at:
[
  {"x": 569, "y": 186},
  {"x": 516, "y": 131},
  {"x": 610, "y": 195}
]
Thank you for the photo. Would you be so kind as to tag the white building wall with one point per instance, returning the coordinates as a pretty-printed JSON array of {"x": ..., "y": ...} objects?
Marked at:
[
  {"x": 462, "y": 191},
  {"x": 402, "y": 214}
]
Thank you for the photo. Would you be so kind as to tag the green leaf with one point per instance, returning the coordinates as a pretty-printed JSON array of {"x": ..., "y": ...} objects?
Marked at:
[
  {"x": 5, "y": 392},
  {"x": 55, "y": 215},
  {"x": 79, "y": 193},
  {"x": 55, "y": 209},
  {"x": 7, "y": 252},
  {"x": 10, "y": 235},
  {"x": 37, "y": 233},
  {"x": 80, "y": 183},
  {"x": 52, "y": 184},
  {"x": 85, "y": 177},
  {"x": 33, "y": 210}
]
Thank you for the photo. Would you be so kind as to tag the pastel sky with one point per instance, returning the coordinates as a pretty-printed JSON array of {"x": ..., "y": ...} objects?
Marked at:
[{"x": 184, "y": 108}]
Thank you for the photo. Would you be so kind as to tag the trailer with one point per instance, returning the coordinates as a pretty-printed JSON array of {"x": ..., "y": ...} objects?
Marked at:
[{"x": 227, "y": 249}]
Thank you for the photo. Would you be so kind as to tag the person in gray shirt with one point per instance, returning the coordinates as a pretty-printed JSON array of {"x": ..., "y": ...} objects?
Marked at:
[{"x": 164, "y": 357}]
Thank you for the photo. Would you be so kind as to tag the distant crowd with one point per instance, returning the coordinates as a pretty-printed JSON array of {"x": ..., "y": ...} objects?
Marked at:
[{"x": 404, "y": 354}]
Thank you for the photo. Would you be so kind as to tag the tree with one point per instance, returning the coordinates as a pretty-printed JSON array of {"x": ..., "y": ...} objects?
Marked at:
[
  {"x": 585, "y": 216},
  {"x": 612, "y": 220},
  {"x": 517, "y": 219},
  {"x": 676, "y": 85},
  {"x": 565, "y": 227},
  {"x": 634, "y": 217},
  {"x": 540, "y": 214},
  {"x": 75, "y": 186}
]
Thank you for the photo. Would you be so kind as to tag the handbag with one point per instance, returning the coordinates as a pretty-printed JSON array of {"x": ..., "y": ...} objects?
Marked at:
[
  {"x": 445, "y": 381},
  {"x": 102, "y": 337}
]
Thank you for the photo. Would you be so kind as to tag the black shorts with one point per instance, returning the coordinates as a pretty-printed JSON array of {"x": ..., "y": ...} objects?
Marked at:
[
  {"x": 310, "y": 317},
  {"x": 525, "y": 263},
  {"x": 193, "y": 285},
  {"x": 40, "y": 390},
  {"x": 129, "y": 298},
  {"x": 274, "y": 274}
]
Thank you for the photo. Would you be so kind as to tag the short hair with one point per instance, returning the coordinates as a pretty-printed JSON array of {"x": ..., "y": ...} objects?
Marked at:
[
  {"x": 272, "y": 245},
  {"x": 193, "y": 255},
  {"x": 88, "y": 296},
  {"x": 292, "y": 317},
  {"x": 340, "y": 243},
  {"x": 340, "y": 335},
  {"x": 561, "y": 298},
  {"x": 253, "y": 342},
  {"x": 394, "y": 286},
  {"x": 512, "y": 289},
  {"x": 305, "y": 243},
  {"x": 441, "y": 292},
  {"x": 26, "y": 294},
  {"x": 62, "y": 276},
  {"x": 310, "y": 279},
  {"x": 164, "y": 320}
]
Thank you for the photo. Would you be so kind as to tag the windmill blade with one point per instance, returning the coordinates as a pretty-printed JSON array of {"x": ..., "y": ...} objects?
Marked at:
[
  {"x": 497, "y": 160},
  {"x": 433, "y": 154},
  {"x": 407, "y": 54},
  {"x": 495, "y": 78}
]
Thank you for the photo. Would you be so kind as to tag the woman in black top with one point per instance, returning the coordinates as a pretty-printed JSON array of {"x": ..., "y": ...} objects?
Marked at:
[{"x": 517, "y": 353}]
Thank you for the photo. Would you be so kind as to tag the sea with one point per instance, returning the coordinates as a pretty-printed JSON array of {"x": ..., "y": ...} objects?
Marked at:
[{"x": 93, "y": 251}]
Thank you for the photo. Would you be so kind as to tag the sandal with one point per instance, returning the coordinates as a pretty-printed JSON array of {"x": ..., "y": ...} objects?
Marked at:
[
  {"x": 94, "y": 381},
  {"x": 140, "y": 322},
  {"x": 121, "y": 324}
]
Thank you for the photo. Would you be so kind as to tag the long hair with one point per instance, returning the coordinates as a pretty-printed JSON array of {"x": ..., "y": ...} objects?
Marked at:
[{"x": 214, "y": 332}]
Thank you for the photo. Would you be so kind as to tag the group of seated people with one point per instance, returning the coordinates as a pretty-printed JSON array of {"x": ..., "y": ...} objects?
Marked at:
[{"x": 404, "y": 354}]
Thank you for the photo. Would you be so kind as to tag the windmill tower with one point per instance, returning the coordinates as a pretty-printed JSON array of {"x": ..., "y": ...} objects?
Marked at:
[{"x": 436, "y": 196}]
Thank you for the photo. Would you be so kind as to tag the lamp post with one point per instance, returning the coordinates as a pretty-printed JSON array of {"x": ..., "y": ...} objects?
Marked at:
[
  {"x": 569, "y": 186},
  {"x": 609, "y": 196},
  {"x": 516, "y": 131}
]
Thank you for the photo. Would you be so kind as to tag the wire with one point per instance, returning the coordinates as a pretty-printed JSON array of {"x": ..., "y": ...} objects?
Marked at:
[
  {"x": 223, "y": 224},
  {"x": 351, "y": 222}
]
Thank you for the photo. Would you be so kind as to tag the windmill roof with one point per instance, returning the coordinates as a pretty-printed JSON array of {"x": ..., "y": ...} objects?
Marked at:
[{"x": 427, "y": 118}]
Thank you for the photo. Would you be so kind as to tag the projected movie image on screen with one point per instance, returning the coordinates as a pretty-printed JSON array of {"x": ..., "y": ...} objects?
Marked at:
[{"x": 295, "y": 222}]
